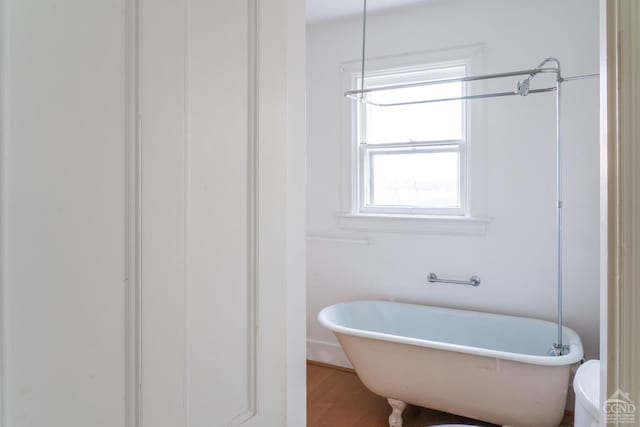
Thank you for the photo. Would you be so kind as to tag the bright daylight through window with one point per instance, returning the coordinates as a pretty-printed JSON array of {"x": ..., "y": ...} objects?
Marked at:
[{"x": 411, "y": 157}]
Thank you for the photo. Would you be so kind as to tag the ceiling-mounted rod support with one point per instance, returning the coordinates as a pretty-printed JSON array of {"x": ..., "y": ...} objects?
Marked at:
[{"x": 364, "y": 45}]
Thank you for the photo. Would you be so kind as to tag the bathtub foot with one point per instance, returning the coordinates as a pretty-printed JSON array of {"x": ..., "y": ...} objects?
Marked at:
[{"x": 395, "y": 419}]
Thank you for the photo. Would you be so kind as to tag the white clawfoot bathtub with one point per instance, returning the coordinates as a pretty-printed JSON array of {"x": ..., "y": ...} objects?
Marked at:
[{"x": 489, "y": 367}]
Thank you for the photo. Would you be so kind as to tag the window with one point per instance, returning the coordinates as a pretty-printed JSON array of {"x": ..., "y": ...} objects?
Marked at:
[{"x": 411, "y": 159}]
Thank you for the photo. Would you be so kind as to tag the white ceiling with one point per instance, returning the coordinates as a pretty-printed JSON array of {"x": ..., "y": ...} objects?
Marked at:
[{"x": 318, "y": 10}]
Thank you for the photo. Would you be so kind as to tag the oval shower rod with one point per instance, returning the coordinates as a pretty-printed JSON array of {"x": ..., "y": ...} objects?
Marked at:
[
  {"x": 359, "y": 94},
  {"x": 530, "y": 72},
  {"x": 522, "y": 87}
]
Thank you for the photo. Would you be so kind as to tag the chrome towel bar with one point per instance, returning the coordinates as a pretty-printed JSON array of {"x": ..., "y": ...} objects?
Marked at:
[{"x": 473, "y": 280}]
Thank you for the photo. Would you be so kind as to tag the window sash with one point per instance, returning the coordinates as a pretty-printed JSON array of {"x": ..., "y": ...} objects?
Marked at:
[
  {"x": 379, "y": 78},
  {"x": 365, "y": 178}
]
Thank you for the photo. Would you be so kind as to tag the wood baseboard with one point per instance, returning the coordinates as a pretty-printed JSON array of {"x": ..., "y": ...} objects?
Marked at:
[{"x": 327, "y": 365}]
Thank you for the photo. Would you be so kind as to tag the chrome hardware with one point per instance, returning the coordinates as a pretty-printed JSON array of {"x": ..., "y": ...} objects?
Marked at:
[
  {"x": 473, "y": 280},
  {"x": 522, "y": 87},
  {"x": 558, "y": 350}
]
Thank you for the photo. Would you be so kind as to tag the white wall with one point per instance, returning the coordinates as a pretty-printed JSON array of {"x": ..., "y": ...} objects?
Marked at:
[
  {"x": 516, "y": 257},
  {"x": 63, "y": 200}
]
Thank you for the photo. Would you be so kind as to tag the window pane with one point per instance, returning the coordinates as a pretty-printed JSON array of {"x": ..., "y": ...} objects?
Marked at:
[
  {"x": 417, "y": 122},
  {"x": 417, "y": 179}
]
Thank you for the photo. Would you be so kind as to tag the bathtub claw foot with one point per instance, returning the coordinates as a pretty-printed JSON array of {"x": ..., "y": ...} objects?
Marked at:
[{"x": 395, "y": 419}]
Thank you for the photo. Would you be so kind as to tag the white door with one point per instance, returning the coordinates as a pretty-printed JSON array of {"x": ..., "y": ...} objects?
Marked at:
[
  {"x": 152, "y": 213},
  {"x": 63, "y": 237},
  {"x": 222, "y": 197}
]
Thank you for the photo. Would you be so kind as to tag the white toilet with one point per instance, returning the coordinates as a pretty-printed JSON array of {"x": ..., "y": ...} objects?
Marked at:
[{"x": 586, "y": 385}]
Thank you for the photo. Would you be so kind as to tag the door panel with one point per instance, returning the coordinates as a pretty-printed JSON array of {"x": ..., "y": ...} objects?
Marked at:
[
  {"x": 218, "y": 218},
  {"x": 220, "y": 283}
]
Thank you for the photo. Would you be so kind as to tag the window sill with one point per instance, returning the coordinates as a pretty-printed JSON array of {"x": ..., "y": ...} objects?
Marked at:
[{"x": 424, "y": 224}]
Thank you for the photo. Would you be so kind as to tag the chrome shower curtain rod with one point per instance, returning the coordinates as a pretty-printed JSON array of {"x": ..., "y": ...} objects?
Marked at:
[{"x": 360, "y": 94}]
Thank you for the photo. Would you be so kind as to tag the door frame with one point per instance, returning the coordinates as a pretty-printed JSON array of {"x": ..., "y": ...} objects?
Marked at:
[{"x": 620, "y": 197}]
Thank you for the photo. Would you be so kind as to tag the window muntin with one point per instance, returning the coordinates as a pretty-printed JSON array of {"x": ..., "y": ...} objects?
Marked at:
[{"x": 412, "y": 158}]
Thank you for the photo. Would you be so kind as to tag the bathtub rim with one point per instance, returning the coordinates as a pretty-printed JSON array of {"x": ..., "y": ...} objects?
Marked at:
[{"x": 575, "y": 354}]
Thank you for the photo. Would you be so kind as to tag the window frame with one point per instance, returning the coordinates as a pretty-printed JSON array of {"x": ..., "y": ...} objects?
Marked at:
[
  {"x": 363, "y": 176},
  {"x": 475, "y": 222}
]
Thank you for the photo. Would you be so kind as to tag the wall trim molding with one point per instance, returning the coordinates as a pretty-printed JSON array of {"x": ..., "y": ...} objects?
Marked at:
[
  {"x": 332, "y": 238},
  {"x": 412, "y": 224},
  {"x": 253, "y": 51},
  {"x": 328, "y": 353},
  {"x": 133, "y": 203}
]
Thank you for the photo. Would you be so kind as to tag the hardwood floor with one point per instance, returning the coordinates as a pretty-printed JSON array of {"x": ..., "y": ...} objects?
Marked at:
[{"x": 337, "y": 398}]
